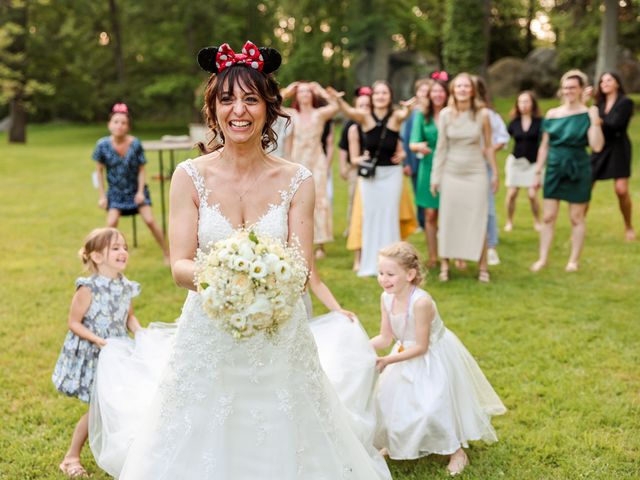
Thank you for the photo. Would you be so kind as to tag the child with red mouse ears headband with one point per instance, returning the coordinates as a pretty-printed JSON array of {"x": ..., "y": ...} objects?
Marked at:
[{"x": 251, "y": 67}]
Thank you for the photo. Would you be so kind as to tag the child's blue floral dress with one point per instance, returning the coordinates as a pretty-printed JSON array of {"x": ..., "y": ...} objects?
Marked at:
[
  {"x": 106, "y": 317},
  {"x": 122, "y": 174}
]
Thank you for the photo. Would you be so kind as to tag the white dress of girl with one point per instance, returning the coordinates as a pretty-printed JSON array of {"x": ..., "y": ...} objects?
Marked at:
[
  {"x": 349, "y": 361},
  {"x": 436, "y": 402},
  {"x": 227, "y": 409}
]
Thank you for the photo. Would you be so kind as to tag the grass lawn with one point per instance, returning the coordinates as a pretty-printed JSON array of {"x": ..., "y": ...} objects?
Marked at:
[{"x": 562, "y": 350}]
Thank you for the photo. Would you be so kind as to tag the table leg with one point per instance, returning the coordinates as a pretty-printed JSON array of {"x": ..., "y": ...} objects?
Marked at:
[{"x": 162, "y": 206}]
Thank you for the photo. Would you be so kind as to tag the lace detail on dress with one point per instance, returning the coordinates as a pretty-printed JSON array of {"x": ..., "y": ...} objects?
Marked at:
[
  {"x": 219, "y": 392},
  {"x": 301, "y": 175},
  {"x": 198, "y": 180}
]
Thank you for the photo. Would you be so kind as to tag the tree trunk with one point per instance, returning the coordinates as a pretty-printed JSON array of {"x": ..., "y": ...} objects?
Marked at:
[
  {"x": 18, "y": 124},
  {"x": 608, "y": 41},
  {"x": 531, "y": 13},
  {"x": 486, "y": 32},
  {"x": 380, "y": 70},
  {"x": 117, "y": 41},
  {"x": 17, "y": 111}
]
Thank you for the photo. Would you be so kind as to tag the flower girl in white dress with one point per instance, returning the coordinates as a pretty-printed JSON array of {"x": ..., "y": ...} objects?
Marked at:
[{"x": 431, "y": 396}]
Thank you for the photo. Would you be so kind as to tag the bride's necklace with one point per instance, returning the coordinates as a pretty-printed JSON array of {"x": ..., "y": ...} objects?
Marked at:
[
  {"x": 245, "y": 191},
  {"x": 242, "y": 193},
  {"x": 406, "y": 319}
]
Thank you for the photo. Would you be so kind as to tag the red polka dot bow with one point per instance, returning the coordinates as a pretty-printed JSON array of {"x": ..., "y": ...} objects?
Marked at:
[
  {"x": 442, "y": 75},
  {"x": 120, "y": 108},
  {"x": 250, "y": 56}
]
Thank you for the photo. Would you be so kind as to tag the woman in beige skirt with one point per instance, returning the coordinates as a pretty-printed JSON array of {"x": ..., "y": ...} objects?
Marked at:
[{"x": 460, "y": 175}]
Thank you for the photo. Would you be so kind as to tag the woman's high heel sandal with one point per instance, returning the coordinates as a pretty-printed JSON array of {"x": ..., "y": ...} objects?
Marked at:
[
  {"x": 484, "y": 277},
  {"x": 443, "y": 276}
]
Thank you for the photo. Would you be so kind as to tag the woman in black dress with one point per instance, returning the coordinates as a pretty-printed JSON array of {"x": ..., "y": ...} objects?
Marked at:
[
  {"x": 520, "y": 168},
  {"x": 614, "y": 161}
]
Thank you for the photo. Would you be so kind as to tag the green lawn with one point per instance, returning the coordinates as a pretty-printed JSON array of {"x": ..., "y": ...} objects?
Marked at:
[{"x": 562, "y": 350}]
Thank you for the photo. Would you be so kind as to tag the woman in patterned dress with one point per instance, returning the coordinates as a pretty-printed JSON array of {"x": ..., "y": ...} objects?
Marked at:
[
  {"x": 308, "y": 119},
  {"x": 123, "y": 157}
]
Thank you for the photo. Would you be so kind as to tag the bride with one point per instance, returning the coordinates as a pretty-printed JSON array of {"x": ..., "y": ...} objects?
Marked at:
[{"x": 258, "y": 407}]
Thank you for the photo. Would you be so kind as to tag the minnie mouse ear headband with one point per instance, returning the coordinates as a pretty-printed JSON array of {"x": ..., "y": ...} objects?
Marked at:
[
  {"x": 217, "y": 59},
  {"x": 120, "y": 108},
  {"x": 442, "y": 75},
  {"x": 364, "y": 90}
]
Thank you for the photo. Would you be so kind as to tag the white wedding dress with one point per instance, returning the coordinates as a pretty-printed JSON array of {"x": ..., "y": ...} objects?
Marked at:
[{"x": 258, "y": 408}]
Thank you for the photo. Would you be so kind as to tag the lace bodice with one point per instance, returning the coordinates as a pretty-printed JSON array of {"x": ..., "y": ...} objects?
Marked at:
[
  {"x": 221, "y": 397},
  {"x": 213, "y": 225},
  {"x": 404, "y": 329}
]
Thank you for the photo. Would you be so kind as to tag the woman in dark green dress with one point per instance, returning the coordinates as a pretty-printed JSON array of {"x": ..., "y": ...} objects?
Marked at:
[
  {"x": 567, "y": 130},
  {"x": 424, "y": 136}
]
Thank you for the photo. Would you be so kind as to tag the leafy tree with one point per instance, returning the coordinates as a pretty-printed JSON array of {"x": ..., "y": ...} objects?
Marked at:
[
  {"x": 608, "y": 41},
  {"x": 465, "y": 38},
  {"x": 17, "y": 87},
  {"x": 510, "y": 29}
]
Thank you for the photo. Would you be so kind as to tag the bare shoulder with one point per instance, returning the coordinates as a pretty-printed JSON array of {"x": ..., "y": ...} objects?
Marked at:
[
  {"x": 553, "y": 113},
  {"x": 485, "y": 113},
  {"x": 445, "y": 113},
  {"x": 202, "y": 161},
  {"x": 283, "y": 169}
]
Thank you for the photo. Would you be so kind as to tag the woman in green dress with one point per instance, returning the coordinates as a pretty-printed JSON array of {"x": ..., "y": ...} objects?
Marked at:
[
  {"x": 424, "y": 136},
  {"x": 567, "y": 130}
]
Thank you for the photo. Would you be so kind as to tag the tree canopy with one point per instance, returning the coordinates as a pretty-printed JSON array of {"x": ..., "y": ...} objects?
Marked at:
[{"x": 72, "y": 59}]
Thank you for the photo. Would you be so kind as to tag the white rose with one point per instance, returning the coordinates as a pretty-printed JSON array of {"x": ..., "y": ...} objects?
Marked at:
[
  {"x": 271, "y": 260},
  {"x": 210, "y": 299},
  {"x": 278, "y": 250},
  {"x": 246, "y": 251},
  {"x": 258, "y": 269},
  {"x": 260, "y": 305},
  {"x": 224, "y": 254}
]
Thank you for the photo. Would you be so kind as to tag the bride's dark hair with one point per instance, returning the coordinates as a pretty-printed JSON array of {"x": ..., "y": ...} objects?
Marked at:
[{"x": 249, "y": 80}]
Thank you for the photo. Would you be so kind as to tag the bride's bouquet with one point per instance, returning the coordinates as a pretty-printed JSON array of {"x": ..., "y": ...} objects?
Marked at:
[{"x": 250, "y": 282}]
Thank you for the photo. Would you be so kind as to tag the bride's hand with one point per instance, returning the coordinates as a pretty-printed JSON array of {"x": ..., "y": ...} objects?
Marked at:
[
  {"x": 352, "y": 316},
  {"x": 381, "y": 363}
]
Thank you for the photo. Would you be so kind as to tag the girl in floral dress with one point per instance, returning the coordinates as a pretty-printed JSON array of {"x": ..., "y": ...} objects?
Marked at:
[{"x": 100, "y": 309}]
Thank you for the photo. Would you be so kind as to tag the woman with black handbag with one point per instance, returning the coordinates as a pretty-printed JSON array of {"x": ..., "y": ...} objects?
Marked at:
[{"x": 380, "y": 172}]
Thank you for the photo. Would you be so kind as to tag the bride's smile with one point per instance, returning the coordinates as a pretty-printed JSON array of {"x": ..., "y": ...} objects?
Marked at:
[{"x": 241, "y": 114}]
